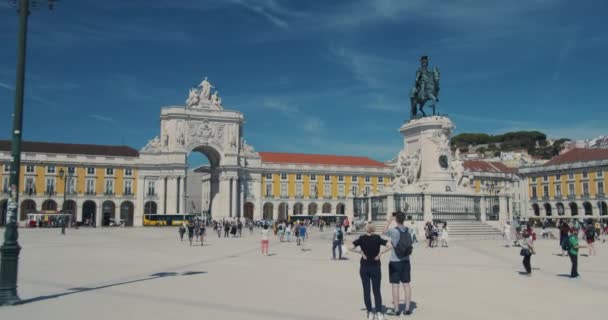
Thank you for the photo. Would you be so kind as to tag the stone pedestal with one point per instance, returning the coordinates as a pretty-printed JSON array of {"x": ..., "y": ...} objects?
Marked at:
[{"x": 427, "y": 153}]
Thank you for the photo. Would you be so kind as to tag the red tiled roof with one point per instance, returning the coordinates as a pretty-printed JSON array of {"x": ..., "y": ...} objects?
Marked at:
[
  {"x": 486, "y": 166},
  {"x": 72, "y": 148},
  {"x": 579, "y": 155},
  {"x": 279, "y": 157}
]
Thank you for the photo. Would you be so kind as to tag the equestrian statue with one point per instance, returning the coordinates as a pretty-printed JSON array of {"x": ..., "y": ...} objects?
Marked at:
[{"x": 426, "y": 88}]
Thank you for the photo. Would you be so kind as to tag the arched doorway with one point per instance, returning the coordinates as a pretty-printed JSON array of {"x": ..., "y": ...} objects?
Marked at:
[
  {"x": 560, "y": 209},
  {"x": 536, "y": 209},
  {"x": 203, "y": 184},
  {"x": 326, "y": 208},
  {"x": 126, "y": 213},
  {"x": 573, "y": 208},
  {"x": 150, "y": 207},
  {"x": 548, "y": 211},
  {"x": 268, "y": 208},
  {"x": 603, "y": 208},
  {"x": 298, "y": 209},
  {"x": 312, "y": 209},
  {"x": 248, "y": 210},
  {"x": 69, "y": 207},
  {"x": 588, "y": 208},
  {"x": 27, "y": 206},
  {"x": 89, "y": 212},
  {"x": 49, "y": 205},
  {"x": 283, "y": 209},
  {"x": 3, "y": 209},
  {"x": 340, "y": 208},
  {"x": 108, "y": 209}
]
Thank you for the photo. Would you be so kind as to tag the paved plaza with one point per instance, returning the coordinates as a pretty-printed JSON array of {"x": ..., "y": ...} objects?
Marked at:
[{"x": 146, "y": 273}]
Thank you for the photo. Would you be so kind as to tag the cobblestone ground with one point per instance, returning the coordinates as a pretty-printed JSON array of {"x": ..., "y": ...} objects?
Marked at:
[{"x": 146, "y": 273}]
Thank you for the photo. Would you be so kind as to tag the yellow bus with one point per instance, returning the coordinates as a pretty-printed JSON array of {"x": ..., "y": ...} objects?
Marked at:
[{"x": 166, "y": 219}]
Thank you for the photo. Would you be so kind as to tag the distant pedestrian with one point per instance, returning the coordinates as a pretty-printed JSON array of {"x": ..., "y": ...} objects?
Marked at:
[
  {"x": 590, "y": 238},
  {"x": 226, "y": 229},
  {"x": 572, "y": 247},
  {"x": 265, "y": 240},
  {"x": 239, "y": 228},
  {"x": 190, "y": 231},
  {"x": 346, "y": 224},
  {"x": 564, "y": 230},
  {"x": 527, "y": 250},
  {"x": 182, "y": 231},
  {"x": 202, "y": 233},
  {"x": 303, "y": 233},
  {"x": 338, "y": 240},
  {"x": 444, "y": 235},
  {"x": 506, "y": 233},
  {"x": 288, "y": 232},
  {"x": 369, "y": 269},
  {"x": 414, "y": 232}
]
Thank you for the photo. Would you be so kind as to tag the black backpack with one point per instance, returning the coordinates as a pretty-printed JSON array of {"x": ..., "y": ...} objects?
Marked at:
[
  {"x": 340, "y": 235},
  {"x": 404, "y": 247},
  {"x": 590, "y": 234}
]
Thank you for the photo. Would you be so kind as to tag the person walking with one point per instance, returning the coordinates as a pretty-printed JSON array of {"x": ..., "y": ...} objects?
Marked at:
[
  {"x": 564, "y": 230},
  {"x": 346, "y": 224},
  {"x": 226, "y": 229},
  {"x": 303, "y": 235},
  {"x": 265, "y": 240},
  {"x": 288, "y": 232},
  {"x": 527, "y": 250},
  {"x": 337, "y": 241},
  {"x": 399, "y": 268},
  {"x": 572, "y": 247},
  {"x": 239, "y": 228},
  {"x": 444, "y": 235},
  {"x": 182, "y": 231},
  {"x": 590, "y": 238},
  {"x": 190, "y": 231},
  {"x": 370, "y": 268},
  {"x": 414, "y": 232},
  {"x": 202, "y": 233}
]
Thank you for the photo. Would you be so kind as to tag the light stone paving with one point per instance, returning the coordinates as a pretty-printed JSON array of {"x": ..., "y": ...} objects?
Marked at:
[{"x": 146, "y": 273}]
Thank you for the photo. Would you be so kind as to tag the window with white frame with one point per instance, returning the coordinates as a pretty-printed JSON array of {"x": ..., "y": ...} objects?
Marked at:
[
  {"x": 268, "y": 189},
  {"x": 109, "y": 186},
  {"x": 90, "y": 186},
  {"x": 327, "y": 177},
  {"x": 152, "y": 188},
  {"x": 600, "y": 187},
  {"x": 5, "y": 184},
  {"x": 128, "y": 187},
  {"x": 545, "y": 191},
  {"x": 340, "y": 178},
  {"x": 298, "y": 177},
  {"x": 50, "y": 185},
  {"x": 283, "y": 190},
  {"x": 299, "y": 190},
  {"x": 355, "y": 178},
  {"x": 368, "y": 190},
  {"x": 128, "y": 172},
  {"x": 355, "y": 190},
  {"x": 313, "y": 177},
  {"x": 341, "y": 190},
  {"x": 283, "y": 176},
  {"x": 109, "y": 171},
  {"x": 571, "y": 191},
  {"x": 269, "y": 176},
  {"x": 327, "y": 190},
  {"x": 71, "y": 171},
  {"x": 380, "y": 188},
  {"x": 381, "y": 179},
  {"x": 30, "y": 168},
  {"x": 533, "y": 179},
  {"x": 7, "y": 167},
  {"x": 571, "y": 175},
  {"x": 534, "y": 194},
  {"x": 585, "y": 174},
  {"x": 70, "y": 188},
  {"x": 586, "y": 188},
  {"x": 313, "y": 191},
  {"x": 91, "y": 170},
  {"x": 50, "y": 169},
  {"x": 558, "y": 177},
  {"x": 558, "y": 190},
  {"x": 600, "y": 174},
  {"x": 367, "y": 178},
  {"x": 29, "y": 186}
]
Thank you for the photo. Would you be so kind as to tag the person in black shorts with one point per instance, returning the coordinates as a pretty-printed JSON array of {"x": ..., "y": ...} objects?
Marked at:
[
  {"x": 399, "y": 268},
  {"x": 369, "y": 270}
]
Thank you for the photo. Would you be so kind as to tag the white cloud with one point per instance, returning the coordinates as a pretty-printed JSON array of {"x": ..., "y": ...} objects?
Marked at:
[
  {"x": 265, "y": 9},
  {"x": 6, "y": 86},
  {"x": 101, "y": 118},
  {"x": 307, "y": 123}
]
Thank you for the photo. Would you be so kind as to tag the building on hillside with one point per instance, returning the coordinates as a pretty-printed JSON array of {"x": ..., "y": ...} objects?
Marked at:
[
  {"x": 569, "y": 185},
  {"x": 98, "y": 182}
]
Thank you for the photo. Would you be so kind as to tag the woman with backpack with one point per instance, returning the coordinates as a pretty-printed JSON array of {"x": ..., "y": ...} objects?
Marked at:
[
  {"x": 527, "y": 250},
  {"x": 590, "y": 238}
]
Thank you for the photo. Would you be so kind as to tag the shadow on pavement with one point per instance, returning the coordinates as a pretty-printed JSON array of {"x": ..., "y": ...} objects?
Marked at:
[
  {"x": 564, "y": 275},
  {"x": 85, "y": 289}
]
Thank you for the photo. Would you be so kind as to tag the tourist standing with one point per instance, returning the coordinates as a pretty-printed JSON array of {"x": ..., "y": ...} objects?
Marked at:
[
  {"x": 303, "y": 234},
  {"x": 202, "y": 232},
  {"x": 281, "y": 231},
  {"x": 414, "y": 232},
  {"x": 346, "y": 224},
  {"x": 590, "y": 238},
  {"x": 239, "y": 228},
  {"x": 369, "y": 269},
  {"x": 337, "y": 242},
  {"x": 564, "y": 230},
  {"x": 399, "y": 267},
  {"x": 572, "y": 247},
  {"x": 265, "y": 240},
  {"x": 506, "y": 233},
  {"x": 527, "y": 250},
  {"x": 190, "y": 231},
  {"x": 226, "y": 229},
  {"x": 182, "y": 231},
  {"x": 444, "y": 235},
  {"x": 288, "y": 232}
]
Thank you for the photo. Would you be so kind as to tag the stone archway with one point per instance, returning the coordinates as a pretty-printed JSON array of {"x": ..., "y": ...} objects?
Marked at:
[
  {"x": 560, "y": 209},
  {"x": 108, "y": 211},
  {"x": 326, "y": 208},
  {"x": 573, "y": 209},
  {"x": 588, "y": 208},
  {"x": 89, "y": 213},
  {"x": 150, "y": 207},
  {"x": 268, "y": 208},
  {"x": 283, "y": 211},
  {"x": 340, "y": 208},
  {"x": 27, "y": 206},
  {"x": 536, "y": 209},
  {"x": 126, "y": 213},
  {"x": 248, "y": 211},
  {"x": 548, "y": 211},
  {"x": 49, "y": 205},
  {"x": 603, "y": 208},
  {"x": 312, "y": 209},
  {"x": 298, "y": 209}
]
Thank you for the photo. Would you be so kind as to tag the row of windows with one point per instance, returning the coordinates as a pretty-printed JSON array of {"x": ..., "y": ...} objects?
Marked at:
[
  {"x": 585, "y": 174},
  {"x": 51, "y": 169},
  {"x": 571, "y": 189},
  {"x": 30, "y": 186},
  {"x": 314, "y": 192},
  {"x": 313, "y": 177}
]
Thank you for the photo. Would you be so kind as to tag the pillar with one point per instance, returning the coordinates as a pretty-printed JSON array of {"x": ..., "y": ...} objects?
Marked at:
[
  {"x": 482, "y": 208},
  {"x": 233, "y": 197},
  {"x": 162, "y": 191},
  {"x": 427, "y": 202},
  {"x": 182, "y": 195},
  {"x": 390, "y": 205},
  {"x": 503, "y": 213},
  {"x": 241, "y": 207}
]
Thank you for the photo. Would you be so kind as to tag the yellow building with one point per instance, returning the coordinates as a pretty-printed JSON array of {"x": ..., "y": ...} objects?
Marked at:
[
  {"x": 570, "y": 185},
  {"x": 94, "y": 183},
  {"x": 309, "y": 184}
]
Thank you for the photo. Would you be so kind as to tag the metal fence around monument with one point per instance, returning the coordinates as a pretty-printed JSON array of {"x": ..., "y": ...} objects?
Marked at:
[
  {"x": 361, "y": 207},
  {"x": 492, "y": 208},
  {"x": 379, "y": 206},
  {"x": 455, "y": 207},
  {"x": 411, "y": 204}
]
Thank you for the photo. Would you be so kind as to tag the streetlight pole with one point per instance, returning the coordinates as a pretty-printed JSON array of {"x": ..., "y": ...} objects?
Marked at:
[
  {"x": 65, "y": 184},
  {"x": 10, "y": 249}
]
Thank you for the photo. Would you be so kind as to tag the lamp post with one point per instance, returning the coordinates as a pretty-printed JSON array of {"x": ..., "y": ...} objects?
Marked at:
[
  {"x": 10, "y": 249},
  {"x": 65, "y": 184}
]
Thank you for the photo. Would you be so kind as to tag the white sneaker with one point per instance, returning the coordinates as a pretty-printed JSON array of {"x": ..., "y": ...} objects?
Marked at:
[
  {"x": 379, "y": 316},
  {"x": 370, "y": 316}
]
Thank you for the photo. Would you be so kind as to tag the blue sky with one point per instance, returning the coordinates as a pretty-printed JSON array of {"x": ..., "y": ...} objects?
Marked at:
[{"x": 309, "y": 76}]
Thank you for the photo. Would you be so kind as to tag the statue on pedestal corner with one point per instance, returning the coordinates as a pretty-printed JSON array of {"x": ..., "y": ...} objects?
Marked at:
[{"x": 426, "y": 88}]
